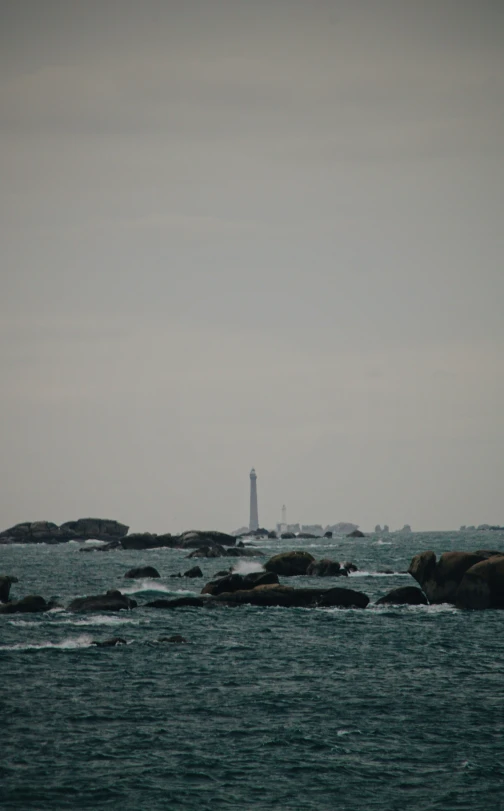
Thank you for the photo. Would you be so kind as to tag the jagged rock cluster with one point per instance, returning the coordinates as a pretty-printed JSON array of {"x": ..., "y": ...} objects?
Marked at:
[{"x": 473, "y": 580}]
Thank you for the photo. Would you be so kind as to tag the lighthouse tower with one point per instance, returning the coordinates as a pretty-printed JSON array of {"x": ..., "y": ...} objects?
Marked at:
[{"x": 254, "y": 515}]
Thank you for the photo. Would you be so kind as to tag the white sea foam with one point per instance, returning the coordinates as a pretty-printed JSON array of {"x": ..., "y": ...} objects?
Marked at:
[
  {"x": 247, "y": 567},
  {"x": 146, "y": 585},
  {"x": 101, "y": 619},
  {"x": 22, "y": 622},
  {"x": 71, "y": 643},
  {"x": 364, "y": 573}
]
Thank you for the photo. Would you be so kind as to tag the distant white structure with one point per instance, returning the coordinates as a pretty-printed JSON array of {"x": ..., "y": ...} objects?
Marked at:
[{"x": 254, "y": 513}]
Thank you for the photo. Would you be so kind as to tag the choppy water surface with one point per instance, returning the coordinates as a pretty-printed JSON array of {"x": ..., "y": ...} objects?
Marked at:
[{"x": 386, "y": 708}]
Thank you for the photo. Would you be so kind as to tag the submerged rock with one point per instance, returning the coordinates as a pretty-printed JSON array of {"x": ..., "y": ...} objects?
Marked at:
[
  {"x": 113, "y": 600},
  {"x": 289, "y": 564},
  {"x": 109, "y": 643},
  {"x": 406, "y": 595},
  {"x": 176, "y": 639},
  {"x": 178, "y": 602},
  {"x": 142, "y": 571}
]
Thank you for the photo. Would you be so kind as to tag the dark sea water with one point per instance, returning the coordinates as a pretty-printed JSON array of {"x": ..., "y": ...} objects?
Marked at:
[{"x": 381, "y": 709}]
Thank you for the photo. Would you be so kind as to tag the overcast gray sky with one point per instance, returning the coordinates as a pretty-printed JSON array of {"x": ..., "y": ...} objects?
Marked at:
[{"x": 242, "y": 234}]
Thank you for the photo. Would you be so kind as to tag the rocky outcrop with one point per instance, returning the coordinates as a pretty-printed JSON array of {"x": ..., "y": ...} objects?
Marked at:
[
  {"x": 482, "y": 585},
  {"x": 440, "y": 579},
  {"x": 84, "y": 529},
  {"x": 142, "y": 571},
  {"x": 113, "y": 600},
  {"x": 325, "y": 568},
  {"x": 5, "y": 584},
  {"x": 288, "y": 597},
  {"x": 27, "y": 605},
  {"x": 289, "y": 564},
  {"x": 148, "y": 540},
  {"x": 103, "y": 529},
  {"x": 194, "y": 539},
  {"x": 239, "y": 582},
  {"x": 356, "y": 534},
  {"x": 406, "y": 595}
]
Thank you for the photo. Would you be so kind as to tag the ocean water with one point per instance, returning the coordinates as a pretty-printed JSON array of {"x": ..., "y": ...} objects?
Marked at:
[{"x": 382, "y": 709}]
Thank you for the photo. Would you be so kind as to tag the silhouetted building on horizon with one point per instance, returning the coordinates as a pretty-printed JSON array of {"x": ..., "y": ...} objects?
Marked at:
[{"x": 254, "y": 513}]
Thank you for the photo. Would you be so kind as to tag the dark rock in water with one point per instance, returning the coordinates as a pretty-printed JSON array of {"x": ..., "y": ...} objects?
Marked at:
[
  {"x": 349, "y": 566},
  {"x": 245, "y": 551},
  {"x": 212, "y": 551},
  {"x": 482, "y": 585},
  {"x": 194, "y": 572},
  {"x": 142, "y": 571},
  {"x": 324, "y": 568},
  {"x": 344, "y": 598},
  {"x": 177, "y": 639},
  {"x": 356, "y": 534},
  {"x": 328, "y": 534},
  {"x": 289, "y": 564},
  {"x": 422, "y": 566},
  {"x": 5, "y": 584},
  {"x": 194, "y": 539},
  {"x": 113, "y": 600},
  {"x": 385, "y": 571},
  {"x": 440, "y": 579},
  {"x": 406, "y": 595},
  {"x": 288, "y": 597},
  {"x": 33, "y": 532},
  {"x": 103, "y": 529},
  {"x": 287, "y": 536},
  {"x": 27, "y": 605},
  {"x": 179, "y": 602},
  {"x": 239, "y": 582},
  {"x": 109, "y": 643},
  {"x": 222, "y": 573},
  {"x": 145, "y": 540}
]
